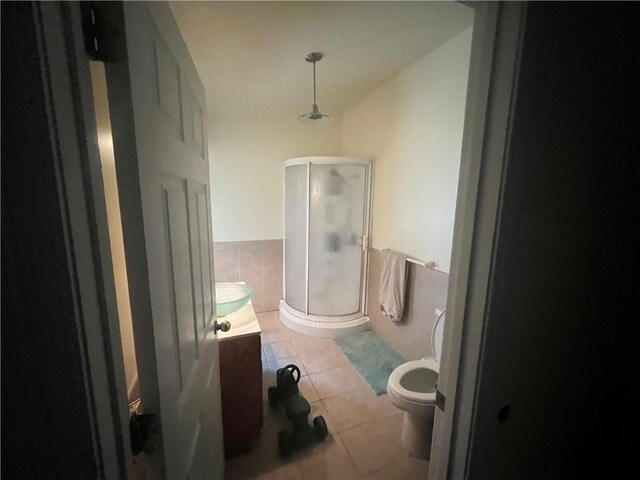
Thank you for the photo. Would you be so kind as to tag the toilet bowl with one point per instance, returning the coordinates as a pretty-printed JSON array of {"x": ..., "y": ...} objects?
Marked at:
[{"x": 412, "y": 388}]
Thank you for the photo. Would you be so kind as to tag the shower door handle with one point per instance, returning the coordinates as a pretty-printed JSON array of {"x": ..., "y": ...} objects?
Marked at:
[{"x": 363, "y": 242}]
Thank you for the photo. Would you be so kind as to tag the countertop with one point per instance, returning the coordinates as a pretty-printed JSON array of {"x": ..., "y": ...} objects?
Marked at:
[{"x": 244, "y": 322}]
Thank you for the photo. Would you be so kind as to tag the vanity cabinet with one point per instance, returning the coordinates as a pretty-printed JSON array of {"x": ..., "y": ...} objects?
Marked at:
[{"x": 241, "y": 391}]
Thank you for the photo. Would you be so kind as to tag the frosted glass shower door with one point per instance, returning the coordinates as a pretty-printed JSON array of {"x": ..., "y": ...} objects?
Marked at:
[
  {"x": 336, "y": 226},
  {"x": 295, "y": 237}
]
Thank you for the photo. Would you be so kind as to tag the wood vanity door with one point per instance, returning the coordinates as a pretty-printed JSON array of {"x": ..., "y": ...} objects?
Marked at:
[{"x": 241, "y": 390}]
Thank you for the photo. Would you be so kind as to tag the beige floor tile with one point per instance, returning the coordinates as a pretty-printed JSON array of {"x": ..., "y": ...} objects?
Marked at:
[
  {"x": 330, "y": 383},
  {"x": 240, "y": 468},
  {"x": 268, "y": 374},
  {"x": 269, "y": 320},
  {"x": 264, "y": 452},
  {"x": 273, "y": 335},
  {"x": 265, "y": 400},
  {"x": 278, "y": 350},
  {"x": 347, "y": 410},
  {"x": 307, "y": 390},
  {"x": 268, "y": 459},
  {"x": 316, "y": 362},
  {"x": 310, "y": 344},
  {"x": 393, "y": 424},
  {"x": 272, "y": 422},
  {"x": 380, "y": 405},
  {"x": 374, "y": 445},
  {"x": 404, "y": 468},
  {"x": 288, "y": 471},
  {"x": 327, "y": 461},
  {"x": 355, "y": 379},
  {"x": 262, "y": 457}
]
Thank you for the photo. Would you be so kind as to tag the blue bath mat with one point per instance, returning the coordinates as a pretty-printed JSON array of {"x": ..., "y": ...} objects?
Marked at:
[{"x": 372, "y": 357}]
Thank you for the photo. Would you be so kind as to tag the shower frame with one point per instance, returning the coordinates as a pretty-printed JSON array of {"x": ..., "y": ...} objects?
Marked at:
[{"x": 320, "y": 325}]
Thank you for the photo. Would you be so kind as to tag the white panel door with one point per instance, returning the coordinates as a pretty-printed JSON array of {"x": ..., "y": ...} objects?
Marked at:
[{"x": 163, "y": 174}]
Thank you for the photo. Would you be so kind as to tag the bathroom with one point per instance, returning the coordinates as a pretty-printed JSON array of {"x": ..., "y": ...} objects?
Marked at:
[
  {"x": 393, "y": 78},
  {"x": 109, "y": 258},
  {"x": 392, "y": 102}
]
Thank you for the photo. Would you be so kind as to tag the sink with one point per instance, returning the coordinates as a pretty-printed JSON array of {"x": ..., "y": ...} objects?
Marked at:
[{"x": 231, "y": 297}]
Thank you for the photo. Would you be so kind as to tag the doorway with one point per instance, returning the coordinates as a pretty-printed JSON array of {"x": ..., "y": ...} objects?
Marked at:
[
  {"x": 411, "y": 123},
  {"x": 116, "y": 243}
]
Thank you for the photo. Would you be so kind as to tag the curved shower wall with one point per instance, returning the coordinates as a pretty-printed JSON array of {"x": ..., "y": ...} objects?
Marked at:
[{"x": 327, "y": 202}]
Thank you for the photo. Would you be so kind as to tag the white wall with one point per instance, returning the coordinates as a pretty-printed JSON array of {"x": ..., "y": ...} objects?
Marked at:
[
  {"x": 247, "y": 172},
  {"x": 412, "y": 125}
]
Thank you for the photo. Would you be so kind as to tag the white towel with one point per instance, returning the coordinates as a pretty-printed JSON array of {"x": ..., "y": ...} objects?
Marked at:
[{"x": 393, "y": 280}]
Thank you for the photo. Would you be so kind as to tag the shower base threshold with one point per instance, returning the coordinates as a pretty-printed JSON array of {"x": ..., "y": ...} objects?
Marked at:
[{"x": 319, "y": 325}]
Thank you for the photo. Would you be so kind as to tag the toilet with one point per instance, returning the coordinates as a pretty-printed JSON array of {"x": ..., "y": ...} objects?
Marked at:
[{"x": 412, "y": 388}]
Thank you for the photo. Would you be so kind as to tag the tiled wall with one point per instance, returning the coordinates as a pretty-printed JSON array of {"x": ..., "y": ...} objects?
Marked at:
[
  {"x": 426, "y": 291},
  {"x": 259, "y": 263}
]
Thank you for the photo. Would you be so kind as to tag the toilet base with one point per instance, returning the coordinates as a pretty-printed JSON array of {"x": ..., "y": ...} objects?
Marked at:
[{"x": 417, "y": 432}]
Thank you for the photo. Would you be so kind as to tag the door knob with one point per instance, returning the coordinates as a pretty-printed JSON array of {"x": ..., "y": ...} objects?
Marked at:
[{"x": 224, "y": 326}]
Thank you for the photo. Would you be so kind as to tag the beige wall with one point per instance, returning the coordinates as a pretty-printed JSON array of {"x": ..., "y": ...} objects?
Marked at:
[
  {"x": 116, "y": 241},
  {"x": 412, "y": 126},
  {"x": 258, "y": 263},
  {"x": 247, "y": 172}
]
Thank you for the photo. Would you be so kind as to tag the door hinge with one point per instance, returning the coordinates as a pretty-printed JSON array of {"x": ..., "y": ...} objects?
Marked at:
[
  {"x": 140, "y": 426},
  {"x": 102, "y": 27}
]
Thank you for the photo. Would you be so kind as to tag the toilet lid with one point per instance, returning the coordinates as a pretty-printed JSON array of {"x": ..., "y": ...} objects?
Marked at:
[{"x": 436, "y": 336}]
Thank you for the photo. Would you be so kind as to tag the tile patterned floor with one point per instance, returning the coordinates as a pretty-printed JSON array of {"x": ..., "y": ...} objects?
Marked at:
[{"x": 364, "y": 429}]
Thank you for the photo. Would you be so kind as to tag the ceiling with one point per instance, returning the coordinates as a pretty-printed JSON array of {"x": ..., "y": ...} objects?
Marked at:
[{"x": 250, "y": 55}]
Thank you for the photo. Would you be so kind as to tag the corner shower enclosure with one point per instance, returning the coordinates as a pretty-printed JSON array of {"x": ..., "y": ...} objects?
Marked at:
[{"x": 327, "y": 203}]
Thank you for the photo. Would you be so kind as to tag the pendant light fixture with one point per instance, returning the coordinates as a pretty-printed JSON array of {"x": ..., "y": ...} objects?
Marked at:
[{"x": 314, "y": 116}]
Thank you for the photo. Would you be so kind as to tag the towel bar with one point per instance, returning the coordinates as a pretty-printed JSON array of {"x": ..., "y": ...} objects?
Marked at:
[{"x": 430, "y": 264}]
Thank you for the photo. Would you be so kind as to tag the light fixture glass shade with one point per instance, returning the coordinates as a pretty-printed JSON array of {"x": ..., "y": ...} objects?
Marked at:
[{"x": 314, "y": 117}]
